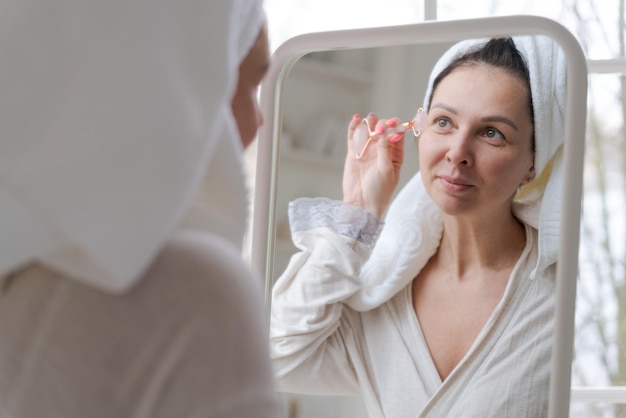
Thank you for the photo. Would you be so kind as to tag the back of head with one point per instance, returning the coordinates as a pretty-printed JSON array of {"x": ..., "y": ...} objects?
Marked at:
[{"x": 110, "y": 113}]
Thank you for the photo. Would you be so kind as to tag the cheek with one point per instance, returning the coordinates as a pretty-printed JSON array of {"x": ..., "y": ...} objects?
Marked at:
[
  {"x": 429, "y": 150},
  {"x": 244, "y": 109},
  {"x": 510, "y": 172}
]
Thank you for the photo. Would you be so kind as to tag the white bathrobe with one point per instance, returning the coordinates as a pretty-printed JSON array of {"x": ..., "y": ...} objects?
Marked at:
[
  {"x": 320, "y": 345},
  {"x": 343, "y": 321}
]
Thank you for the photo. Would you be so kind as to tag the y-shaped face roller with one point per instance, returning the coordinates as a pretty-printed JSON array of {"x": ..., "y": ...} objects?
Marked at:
[{"x": 364, "y": 135}]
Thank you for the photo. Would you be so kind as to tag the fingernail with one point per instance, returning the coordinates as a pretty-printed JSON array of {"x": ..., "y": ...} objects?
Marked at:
[
  {"x": 392, "y": 123},
  {"x": 379, "y": 129},
  {"x": 396, "y": 138},
  {"x": 356, "y": 116}
]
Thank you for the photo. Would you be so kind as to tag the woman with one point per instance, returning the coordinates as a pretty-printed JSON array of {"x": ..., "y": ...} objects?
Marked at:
[
  {"x": 449, "y": 311},
  {"x": 121, "y": 298}
]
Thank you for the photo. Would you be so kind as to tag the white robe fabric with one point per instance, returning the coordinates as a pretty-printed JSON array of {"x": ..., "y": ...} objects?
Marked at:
[
  {"x": 320, "y": 345},
  {"x": 123, "y": 292},
  {"x": 187, "y": 340}
]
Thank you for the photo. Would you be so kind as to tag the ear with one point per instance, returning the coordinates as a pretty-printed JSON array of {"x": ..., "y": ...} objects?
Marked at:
[{"x": 530, "y": 176}]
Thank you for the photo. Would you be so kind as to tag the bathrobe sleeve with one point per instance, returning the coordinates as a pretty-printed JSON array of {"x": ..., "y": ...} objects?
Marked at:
[{"x": 312, "y": 333}]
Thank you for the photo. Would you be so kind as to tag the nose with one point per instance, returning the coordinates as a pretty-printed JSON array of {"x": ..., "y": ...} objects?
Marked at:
[{"x": 460, "y": 150}]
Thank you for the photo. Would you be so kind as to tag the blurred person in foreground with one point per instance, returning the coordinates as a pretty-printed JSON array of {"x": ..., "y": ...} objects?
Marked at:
[{"x": 122, "y": 207}]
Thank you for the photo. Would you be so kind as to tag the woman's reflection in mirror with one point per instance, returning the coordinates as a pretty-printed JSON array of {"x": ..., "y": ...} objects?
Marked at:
[{"x": 445, "y": 307}]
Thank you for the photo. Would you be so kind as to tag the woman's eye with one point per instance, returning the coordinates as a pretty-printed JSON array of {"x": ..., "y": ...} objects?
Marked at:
[
  {"x": 442, "y": 123},
  {"x": 493, "y": 133}
]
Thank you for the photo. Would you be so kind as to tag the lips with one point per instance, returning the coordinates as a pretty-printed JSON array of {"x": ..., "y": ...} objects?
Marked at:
[{"x": 455, "y": 183}]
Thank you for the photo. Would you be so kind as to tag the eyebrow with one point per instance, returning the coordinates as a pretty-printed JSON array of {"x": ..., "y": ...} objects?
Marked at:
[{"x": 501, "y": 119}]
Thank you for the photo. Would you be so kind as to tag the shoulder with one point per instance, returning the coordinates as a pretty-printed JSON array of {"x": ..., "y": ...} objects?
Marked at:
[
  {"x": 206, "y": 261},
  {"x": 221, "y": 331},
  {"x": 204, "y": 276}
]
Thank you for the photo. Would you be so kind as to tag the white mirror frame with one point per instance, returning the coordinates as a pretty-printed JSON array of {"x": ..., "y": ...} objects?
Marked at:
[{"x": 283, "y": 59}]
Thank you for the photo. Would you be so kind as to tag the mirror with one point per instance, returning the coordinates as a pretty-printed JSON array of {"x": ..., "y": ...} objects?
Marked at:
[
  {"x": 350, "y": 65},
  {"x": 337, "y": 84}
]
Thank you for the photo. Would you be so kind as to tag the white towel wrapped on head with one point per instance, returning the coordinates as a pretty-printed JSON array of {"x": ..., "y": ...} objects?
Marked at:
[{"x": 110, "y": 114}]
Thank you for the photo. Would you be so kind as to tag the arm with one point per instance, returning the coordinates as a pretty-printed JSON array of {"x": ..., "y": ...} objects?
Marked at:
[
  {"x": 313, "y": 336},
  {"x": 311, "y": 333}
]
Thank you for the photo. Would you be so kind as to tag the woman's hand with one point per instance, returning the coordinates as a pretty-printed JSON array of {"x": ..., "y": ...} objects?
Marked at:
[{"x": 369, "y": 181}]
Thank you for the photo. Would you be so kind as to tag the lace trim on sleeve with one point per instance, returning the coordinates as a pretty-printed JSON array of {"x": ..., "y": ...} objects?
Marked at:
[{"x": 351, "y": 221}]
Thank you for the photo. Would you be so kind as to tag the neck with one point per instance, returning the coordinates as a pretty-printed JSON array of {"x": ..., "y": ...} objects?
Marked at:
[{"x": 469, "y": 247}]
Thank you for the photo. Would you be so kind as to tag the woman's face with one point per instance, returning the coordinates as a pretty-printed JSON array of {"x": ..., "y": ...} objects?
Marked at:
[{"x": 476, "y": 148}]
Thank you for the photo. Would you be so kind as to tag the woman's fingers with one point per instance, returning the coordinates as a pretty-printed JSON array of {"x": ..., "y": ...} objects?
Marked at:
[
  {"x": 392, "y": 143},
  {"x": 372, "y": 119},
  {"x": 356, "y": 119},
  {"x": 359, "y": 134},
  {"x": 369, "y": 182},
  {"x": 389, "y": 130}
]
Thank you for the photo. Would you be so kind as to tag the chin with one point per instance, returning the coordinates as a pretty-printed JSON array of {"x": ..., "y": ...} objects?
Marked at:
[{"x": 452, "y": 206}]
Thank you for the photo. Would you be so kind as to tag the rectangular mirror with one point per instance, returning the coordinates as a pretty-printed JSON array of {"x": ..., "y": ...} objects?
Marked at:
[{"x": 318, "y": 81}]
